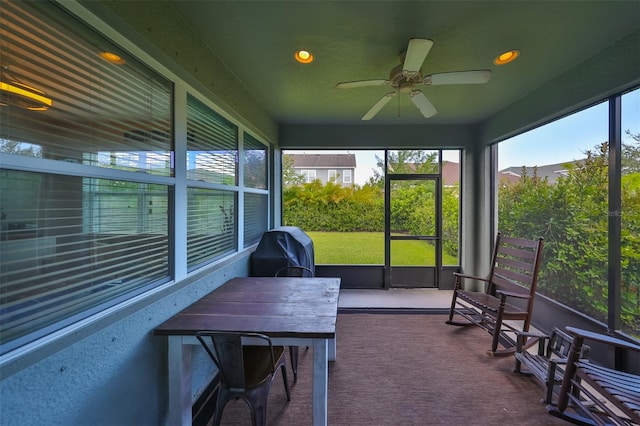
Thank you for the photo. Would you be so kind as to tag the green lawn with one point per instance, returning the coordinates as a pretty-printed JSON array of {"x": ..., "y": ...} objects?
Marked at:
[{"x": 367, "y": 248}]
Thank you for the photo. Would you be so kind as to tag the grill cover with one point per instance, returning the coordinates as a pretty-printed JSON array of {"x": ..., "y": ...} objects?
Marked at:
[{"x": 280, "y": 247}]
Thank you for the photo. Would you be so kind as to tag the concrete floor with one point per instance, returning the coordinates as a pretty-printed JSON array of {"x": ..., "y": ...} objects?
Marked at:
[{"x": 421, "y": 298}]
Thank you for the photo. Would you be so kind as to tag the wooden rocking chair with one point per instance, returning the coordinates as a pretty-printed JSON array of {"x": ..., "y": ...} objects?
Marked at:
[
  {"x": 508, "y": 296},
  {"x": 595, "y": 395}
]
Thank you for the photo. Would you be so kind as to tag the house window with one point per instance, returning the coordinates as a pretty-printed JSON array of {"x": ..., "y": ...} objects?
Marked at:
[
  {"x": 309, "y": 175},
  {"x": 256, "y": 221},
  {"x": 211, "y": 224},
  {"x": 212, "y": 145},
  {"x": 346, "y": 176},
  {"x": 332, "y": 175},
  {"x": 85, "y": 184},
  {"x": 255, "y": 163},
  {"x": 256, "y": 202},
  {"x": 212, "y": 149}
]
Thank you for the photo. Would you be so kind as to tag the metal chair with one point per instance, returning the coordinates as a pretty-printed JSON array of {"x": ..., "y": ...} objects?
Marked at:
[
  {"x": 246, "y": 371},
  {"x": 294, "y": 271}
]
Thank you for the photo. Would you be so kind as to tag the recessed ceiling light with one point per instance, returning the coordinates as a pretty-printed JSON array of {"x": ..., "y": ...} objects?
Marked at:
[
  {"x": 506, "y": 57},
  {"x": 112, "y": 57},
  {"x": 303, "y": 56}
]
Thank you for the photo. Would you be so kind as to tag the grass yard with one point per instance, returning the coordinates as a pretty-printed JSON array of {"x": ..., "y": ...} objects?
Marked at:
[{"x": 367, "y": 248}]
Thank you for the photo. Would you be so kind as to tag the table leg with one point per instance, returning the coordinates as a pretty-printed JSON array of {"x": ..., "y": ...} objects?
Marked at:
[
  {"x": 320, "y": 381},
  {"x": 179, "y": 362}
]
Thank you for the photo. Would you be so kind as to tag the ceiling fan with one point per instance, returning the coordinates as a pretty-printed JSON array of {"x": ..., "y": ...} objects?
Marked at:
[{"x": 406, "y": 76}]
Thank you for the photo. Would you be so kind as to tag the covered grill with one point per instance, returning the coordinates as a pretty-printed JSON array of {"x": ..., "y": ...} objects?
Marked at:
[{"x": 281, "y": 247}]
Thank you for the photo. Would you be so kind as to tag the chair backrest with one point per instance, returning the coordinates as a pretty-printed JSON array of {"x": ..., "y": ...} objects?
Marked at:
[
  {"x": 225, "y": 349},
  {"x": 515, "y": 265},
  {"x": 560, "y": 344},
  {"x": 294, "y": 271}
]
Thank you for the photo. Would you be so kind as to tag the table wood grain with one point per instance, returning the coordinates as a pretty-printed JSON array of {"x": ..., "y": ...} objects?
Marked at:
[{"x": 277, "y": 307}]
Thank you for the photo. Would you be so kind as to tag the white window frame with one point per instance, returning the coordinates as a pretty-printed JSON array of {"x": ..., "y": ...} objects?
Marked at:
[{"x": 309, "y": 175}]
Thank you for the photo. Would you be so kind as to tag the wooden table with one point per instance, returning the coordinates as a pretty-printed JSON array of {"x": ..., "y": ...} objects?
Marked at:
[{"x": 292, "y": 311}]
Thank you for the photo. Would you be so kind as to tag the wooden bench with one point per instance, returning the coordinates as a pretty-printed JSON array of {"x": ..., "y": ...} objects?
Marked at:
[
  {"x": 508, "y": 295},
  {"x": 545, "y": 364},
  {"x": 593, "y": 394}
]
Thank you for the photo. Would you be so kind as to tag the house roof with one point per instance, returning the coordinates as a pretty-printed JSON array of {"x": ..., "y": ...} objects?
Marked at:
[
  {"x": 323, "y": 161},
  {"x": 450, "y": 172},
  {"x": 550, "y": 171}
]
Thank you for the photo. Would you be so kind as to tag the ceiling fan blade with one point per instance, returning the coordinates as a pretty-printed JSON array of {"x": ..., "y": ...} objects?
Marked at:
[
  {"x": 361, "y": 83},
  {"x": 459, "y": 77},
  {"x": 378, "y": 106},
  {"x": 417, "y": 52},
  {"x": 422, "y": 103}
]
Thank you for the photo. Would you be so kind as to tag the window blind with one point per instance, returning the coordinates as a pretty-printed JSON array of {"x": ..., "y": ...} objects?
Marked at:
[
  {"x": 101, "y": 113},
  {"x": 71, "y": 244},
  {"x": 212, "y": 156},
  {"x": 74, "y": 241},
  {"x": 212, "y": 145},
  {"x": 255, "y": 163},
  {"x": 256, "y": 219},
  {"x": 211, "y": 224}
]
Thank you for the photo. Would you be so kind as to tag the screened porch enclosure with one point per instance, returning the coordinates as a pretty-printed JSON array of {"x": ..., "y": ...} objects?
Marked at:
[{"x": 141, "y": 161}]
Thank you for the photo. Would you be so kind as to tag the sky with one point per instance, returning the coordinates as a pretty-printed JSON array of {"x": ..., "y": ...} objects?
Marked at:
[
  {"x": 567, "y": 139},
  {"x": 563, "y": 140}
]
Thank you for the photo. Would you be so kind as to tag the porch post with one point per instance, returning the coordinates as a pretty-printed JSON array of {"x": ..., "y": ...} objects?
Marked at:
[{"x": 479, "y": 222}]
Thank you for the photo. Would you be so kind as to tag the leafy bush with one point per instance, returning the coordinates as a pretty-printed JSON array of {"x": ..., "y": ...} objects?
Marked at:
[{"x": 572, "y": 216}]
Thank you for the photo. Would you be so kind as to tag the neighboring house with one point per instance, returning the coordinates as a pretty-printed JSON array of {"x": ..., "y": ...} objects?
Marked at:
[
  {"x": 338, "y": 168},
  {"x": 551, "y": 171},
  {"x": 451, "y": 175},
  {"x": 511, "y": 175}
]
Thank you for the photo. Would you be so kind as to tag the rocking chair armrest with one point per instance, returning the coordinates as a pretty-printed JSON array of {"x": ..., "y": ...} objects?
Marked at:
[
  {"x": 471, "y": 277},
  {"x": 532, "y": 334},
  {"x": 558, "y": 361},
  {"x": 504, "y": 294},
  {"x": 521, "y": 335},
  {"x": 602, "y": 338}
]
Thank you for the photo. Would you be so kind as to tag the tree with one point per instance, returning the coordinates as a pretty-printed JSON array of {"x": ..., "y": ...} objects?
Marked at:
[
  {"x": 289, "y": 175},
  {"x": 631, "y": 154},
  {"x": 405, "y": 162},
  {"x": 20, "y": 148}
]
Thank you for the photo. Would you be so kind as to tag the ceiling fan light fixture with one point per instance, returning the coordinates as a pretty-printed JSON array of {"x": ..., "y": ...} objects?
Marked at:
[
  {"x": 506, "y": 57},
  {"x": 23, "y": 96},
  {"x": 303, "y": 56}
]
